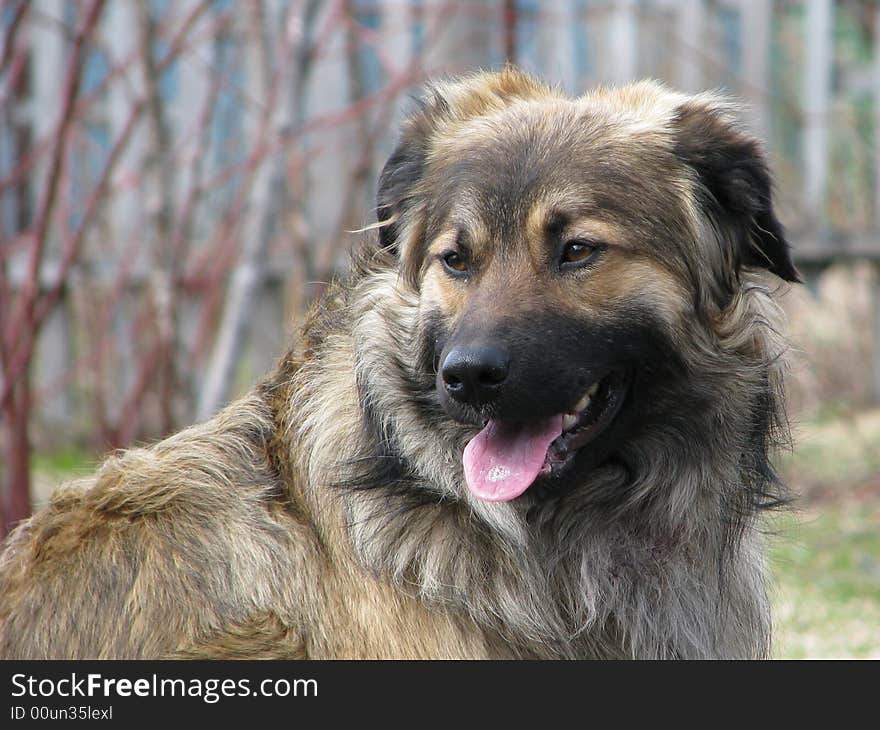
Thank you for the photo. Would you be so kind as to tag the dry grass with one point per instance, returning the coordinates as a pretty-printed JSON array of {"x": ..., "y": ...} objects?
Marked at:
[
  {"x": 833, "y": 455},
  {"x": 829, "y": 325}
]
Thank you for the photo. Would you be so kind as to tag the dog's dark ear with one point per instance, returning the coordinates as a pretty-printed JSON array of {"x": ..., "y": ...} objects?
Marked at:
[
  {"x": 397, "y": 183},
  {"x": 735, "y": 187}
]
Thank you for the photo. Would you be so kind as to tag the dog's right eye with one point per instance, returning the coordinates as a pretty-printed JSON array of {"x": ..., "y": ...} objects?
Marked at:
[
  {"x": 578, "y": 253},
  {"x": 454, "y": 263}
]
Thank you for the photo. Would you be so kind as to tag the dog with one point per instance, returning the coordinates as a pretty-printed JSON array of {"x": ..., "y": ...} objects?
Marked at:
[{"x": 534, "y": 420}]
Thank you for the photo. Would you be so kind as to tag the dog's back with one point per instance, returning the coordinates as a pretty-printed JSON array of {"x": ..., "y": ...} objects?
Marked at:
[{"x": 162, "y": 550}]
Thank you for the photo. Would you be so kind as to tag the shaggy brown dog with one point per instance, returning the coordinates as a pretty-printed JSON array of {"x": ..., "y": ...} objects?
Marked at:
[{"x": 533, "y": 421}]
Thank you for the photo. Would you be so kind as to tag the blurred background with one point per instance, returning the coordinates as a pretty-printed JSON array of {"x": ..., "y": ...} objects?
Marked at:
[{"x": 178, "y": 179}]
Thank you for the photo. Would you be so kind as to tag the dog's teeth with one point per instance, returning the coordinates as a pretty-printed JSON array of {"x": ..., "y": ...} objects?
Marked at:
[
  {"x": 568, "y": 421},
  {"x": 583, "y": 403},
  {"x": 593, "y": 389}
]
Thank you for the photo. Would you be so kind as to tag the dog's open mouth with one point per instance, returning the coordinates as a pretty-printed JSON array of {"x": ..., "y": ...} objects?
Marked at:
[{"x": 504, "y": 459}]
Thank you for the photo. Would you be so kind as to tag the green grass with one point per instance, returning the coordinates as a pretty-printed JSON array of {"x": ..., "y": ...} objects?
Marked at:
[
  {"x": 66, "y": 462},
  {"x": 826, "y": 580},
  {"x": 826, "y": 556},
  {"x": 48, "y": 470}
]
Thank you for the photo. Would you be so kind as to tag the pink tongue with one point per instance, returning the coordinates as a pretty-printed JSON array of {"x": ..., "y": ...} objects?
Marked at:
[{"x": 503, "y": 459}]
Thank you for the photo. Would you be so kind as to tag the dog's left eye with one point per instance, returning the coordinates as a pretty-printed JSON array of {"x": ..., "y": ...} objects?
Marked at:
[
  {"x": 454, "y": 263},
  {"x": 578, "y": 253}
]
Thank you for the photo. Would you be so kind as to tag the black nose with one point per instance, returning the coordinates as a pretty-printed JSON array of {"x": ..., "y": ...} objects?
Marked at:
[{"x": 474, "y": 374}]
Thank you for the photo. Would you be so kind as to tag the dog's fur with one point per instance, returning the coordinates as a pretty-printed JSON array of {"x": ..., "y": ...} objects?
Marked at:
[{"x": 325, "y": 514}]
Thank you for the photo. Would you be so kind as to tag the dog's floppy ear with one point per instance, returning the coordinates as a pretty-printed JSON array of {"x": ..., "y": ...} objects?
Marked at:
[
  {"x": 735, "y": 186},
  {"x": 444, "y": 105},
  {"x": 397, "y": 183}
]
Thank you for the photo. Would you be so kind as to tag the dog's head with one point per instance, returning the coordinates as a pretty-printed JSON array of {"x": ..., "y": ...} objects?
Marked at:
[{"x": 568, "y": 254}]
